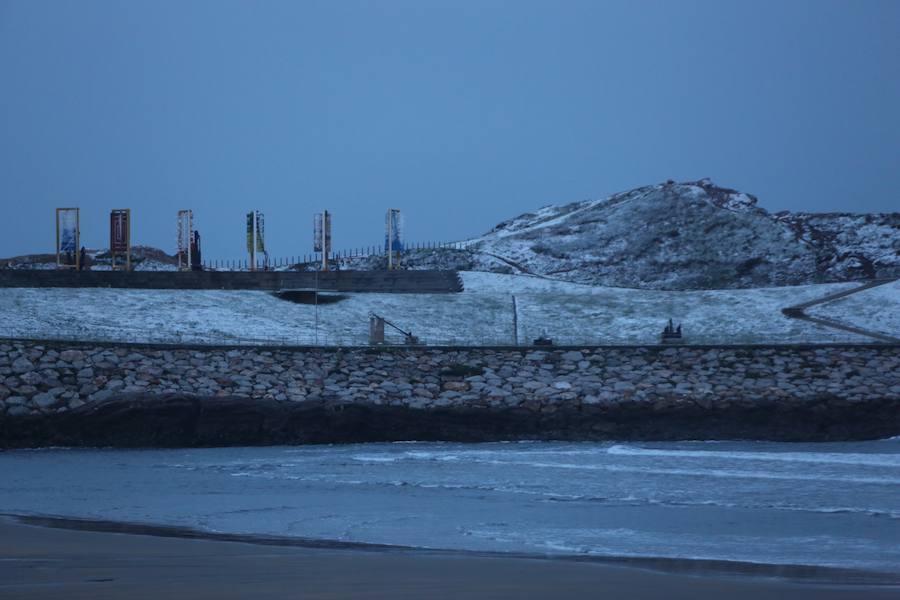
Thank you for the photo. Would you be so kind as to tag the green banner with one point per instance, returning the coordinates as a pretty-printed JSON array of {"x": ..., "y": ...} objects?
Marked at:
[{"x": 260, "y": 233}]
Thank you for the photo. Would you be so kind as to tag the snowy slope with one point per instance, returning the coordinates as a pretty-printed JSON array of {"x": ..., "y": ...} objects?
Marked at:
[
  {"x": 483, "y": 314},
  {"x": 143, "y": 258},
  {"x": 692, "y": 235},
  {"x": 851, "y": 246}
]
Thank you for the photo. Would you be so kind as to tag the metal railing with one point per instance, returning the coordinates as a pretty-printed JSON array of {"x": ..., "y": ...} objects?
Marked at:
[{"x": 311, "y": 260}]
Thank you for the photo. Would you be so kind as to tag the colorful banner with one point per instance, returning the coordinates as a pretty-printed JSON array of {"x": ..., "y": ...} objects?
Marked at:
[
  {"x": 322, "y": 232},
  {"x": 260, "y": 232},
  {"x": 185, "y": 233},
  {"x": 317, "y": 232},
  {"x": 67, "y": 227},
  {"x": 250, "y": 232},
  {"x": 119, "y": 230},
  {"x": 393, "y": 231}
]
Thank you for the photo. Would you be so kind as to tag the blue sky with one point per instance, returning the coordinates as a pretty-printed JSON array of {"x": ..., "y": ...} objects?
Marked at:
[{"x": 461, "y": 113}]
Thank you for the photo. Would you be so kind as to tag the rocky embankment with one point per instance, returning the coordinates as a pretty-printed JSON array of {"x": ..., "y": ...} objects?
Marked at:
[{"x": 95, "y": 395}]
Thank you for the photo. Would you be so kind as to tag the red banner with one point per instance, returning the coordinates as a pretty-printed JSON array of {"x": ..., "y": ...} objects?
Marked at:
[{"x": 119, "y": 230}]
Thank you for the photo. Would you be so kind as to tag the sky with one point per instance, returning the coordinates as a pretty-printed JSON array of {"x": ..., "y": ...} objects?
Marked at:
[{"x": 461, "y": 114}]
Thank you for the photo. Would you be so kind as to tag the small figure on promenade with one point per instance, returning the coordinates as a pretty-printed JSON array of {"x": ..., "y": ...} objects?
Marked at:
[
  {"x": 671, "y": 334},
  {"x": 196, "y": 260},
  {"x": 543, "y": 340}
]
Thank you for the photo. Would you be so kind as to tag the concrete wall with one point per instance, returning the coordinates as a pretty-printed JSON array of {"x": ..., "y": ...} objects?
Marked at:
[{"x": 341, "y": 281}]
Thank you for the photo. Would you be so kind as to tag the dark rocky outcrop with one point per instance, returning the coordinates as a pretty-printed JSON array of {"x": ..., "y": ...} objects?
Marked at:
[{"x": 179, "y": 421}]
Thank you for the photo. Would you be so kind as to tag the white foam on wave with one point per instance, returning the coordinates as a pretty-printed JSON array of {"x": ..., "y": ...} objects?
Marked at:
[
  {"x": 861, "y": 459},
  {"x": 840, "y": 458},
  {"x": 375, "y": 458},
  {"x": 869, "y": 512},
  {"x": 458, "y": 454},
  {"x": 711, "y": 472}
]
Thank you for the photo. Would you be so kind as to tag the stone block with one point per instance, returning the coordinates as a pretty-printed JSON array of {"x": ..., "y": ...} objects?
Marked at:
[
  {"x": 45, "y": 401},
  {"x": 17, "y": 410},
  {"x": 71, "y": 355},
  {"x": 22, "y": 365}
]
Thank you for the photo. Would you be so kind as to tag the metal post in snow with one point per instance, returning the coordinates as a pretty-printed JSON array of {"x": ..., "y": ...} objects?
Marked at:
[
  {"x": 253, "y": 241},
  {"x": 515, "y": 322}
]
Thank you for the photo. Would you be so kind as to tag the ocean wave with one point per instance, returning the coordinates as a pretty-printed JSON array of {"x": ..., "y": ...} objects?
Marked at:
[
  {"x": 491, "y": 456},
  {"x": 376, "y": 458},
  {"x": 637, "y": 501},
  {"x": 712, "y": 472},
  {"x": 633, "y": 543},
  {"x": 448, "y": 453},
  {"x": 548, "y": 495},
  {"x": 425, "y": 485},
  {"x": 840, "y": 458}
]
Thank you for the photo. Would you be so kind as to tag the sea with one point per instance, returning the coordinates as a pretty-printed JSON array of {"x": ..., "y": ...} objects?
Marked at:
[{"x": 825, "y": 504}]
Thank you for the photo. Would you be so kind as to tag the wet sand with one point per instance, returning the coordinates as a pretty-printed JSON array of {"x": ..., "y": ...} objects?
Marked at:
[{"x": 39, "y": 562}]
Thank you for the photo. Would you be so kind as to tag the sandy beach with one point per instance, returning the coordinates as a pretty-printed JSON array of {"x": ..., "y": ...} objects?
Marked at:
[{"x": 47, "y": 562}]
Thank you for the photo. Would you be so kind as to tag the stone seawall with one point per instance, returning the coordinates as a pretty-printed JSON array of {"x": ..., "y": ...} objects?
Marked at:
[{"x": 82, "y": 394}]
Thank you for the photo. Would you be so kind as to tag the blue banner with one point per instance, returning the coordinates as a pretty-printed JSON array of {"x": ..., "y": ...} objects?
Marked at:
[{"x": 393, "y": 231}]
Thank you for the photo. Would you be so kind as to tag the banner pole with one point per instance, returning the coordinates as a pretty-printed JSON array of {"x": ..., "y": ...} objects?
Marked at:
[
  {"x": 57, "y": 238},
  {"x": 77, "y": 239},
  {"x": 128, "y": 239}
]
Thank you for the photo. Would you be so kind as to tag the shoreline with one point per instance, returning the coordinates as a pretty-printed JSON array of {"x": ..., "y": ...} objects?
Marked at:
[
  {"x": 720, "y": 569},
  {"x": 39, "y": 563}
]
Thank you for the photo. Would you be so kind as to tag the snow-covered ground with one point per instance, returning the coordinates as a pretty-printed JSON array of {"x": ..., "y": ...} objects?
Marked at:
[
  {"x": 573, "y": 313},
  {"x": 483, "y": 314},
  {"x": 876, "y": 309}
]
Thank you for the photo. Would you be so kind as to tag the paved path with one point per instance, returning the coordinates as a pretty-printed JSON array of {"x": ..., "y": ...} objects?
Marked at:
[{"x": 798, "y": 312}]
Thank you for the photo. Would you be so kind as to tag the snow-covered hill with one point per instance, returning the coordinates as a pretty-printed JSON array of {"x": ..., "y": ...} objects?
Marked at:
[
  {"x": 143, "y": 258},
  {"x": 693, "y": 235}
]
